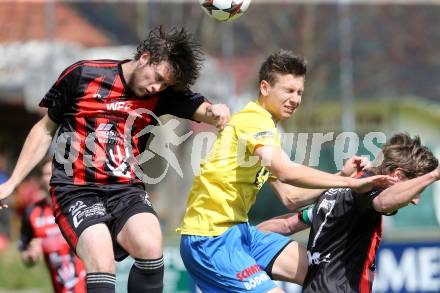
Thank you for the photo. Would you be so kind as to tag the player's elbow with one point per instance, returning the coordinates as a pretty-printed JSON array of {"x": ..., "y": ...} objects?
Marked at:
[
  {"x": 383, "y": 206},
  {"x": 291, "y": 199},
  {"x": 287, "y": 229},
  {"x": 283, "y": 227},
  {"x": 293, "y": 203},
  {"x": 291, "y": 225}
]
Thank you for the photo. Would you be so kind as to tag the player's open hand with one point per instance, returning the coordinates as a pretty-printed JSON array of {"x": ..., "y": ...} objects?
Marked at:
[
  {"x": 354, "y": 165},
  {"x": 220, "y": 114},
  {"x": 369, "y": 183},
  {"x": 6, "y": 190}
]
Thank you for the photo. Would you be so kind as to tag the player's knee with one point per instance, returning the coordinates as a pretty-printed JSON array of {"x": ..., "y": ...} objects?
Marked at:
[
  {"x": 96, "y": 252},
  {"x": 147, "y": 248},
  {"x": 99, "y": 264},
  {"x": 141, "y": 236},
  {"x": 143, "y": 245}
]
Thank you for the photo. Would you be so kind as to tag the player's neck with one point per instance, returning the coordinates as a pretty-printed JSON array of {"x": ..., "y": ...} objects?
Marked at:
[
  {"x": 128, "y": 69},
  {"x": 262, "y": 102}
]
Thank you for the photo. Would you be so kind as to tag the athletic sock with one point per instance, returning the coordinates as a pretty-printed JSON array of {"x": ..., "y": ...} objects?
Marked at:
[
  {"x": 101, "y": 283},
  {"x": 146, "y": 276}
]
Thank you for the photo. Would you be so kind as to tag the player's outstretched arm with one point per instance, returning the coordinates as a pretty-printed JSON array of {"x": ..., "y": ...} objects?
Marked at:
[
  {"x": 298, "y": 175},
  {"x": 295, "y": 198},
  {"x": 214, "y": 114},
  {"x": 34, "y": 149},
  {"x": 402, "y": 193},
  {"x": 292, "y": 197}
]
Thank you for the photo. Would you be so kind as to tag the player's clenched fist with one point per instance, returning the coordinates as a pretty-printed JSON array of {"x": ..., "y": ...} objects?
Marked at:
[
  {"x": 354, "y": 165},
  {"x": 220, "y": 113}
]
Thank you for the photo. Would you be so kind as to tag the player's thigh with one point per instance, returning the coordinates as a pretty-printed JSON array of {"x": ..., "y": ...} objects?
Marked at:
[
  {"x": 141, "y": 236},
  {"x": 291, "y": 264},
  {"x": 266, "y": 247},
  {"x": 80, "y": 214},
  {"x": 95, "y": 249}
]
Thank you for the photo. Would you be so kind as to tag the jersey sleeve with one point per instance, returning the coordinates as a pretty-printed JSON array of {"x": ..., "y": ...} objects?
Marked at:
[
  {"x": 26, "y": 233},
  {"x": 182, "y": 104},
  {"x": 256, "y": 130},
  {"x": 62, "y": 91}
]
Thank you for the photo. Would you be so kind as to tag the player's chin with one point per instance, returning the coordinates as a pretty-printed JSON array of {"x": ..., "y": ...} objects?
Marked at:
[
  {"x": 286, "y": 115},
  {"x": 139, "y": 93}
]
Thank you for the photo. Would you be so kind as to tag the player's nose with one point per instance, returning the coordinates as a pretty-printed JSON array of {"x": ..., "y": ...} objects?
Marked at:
[
  {"x": 295, "y": 100},
  {"x": 155, "y": 88}
]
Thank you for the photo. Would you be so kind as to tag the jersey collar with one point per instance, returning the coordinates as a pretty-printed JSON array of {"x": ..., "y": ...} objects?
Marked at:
[
  {"x": 124, "y": 82},
  {"x": 257, "y": 105}
]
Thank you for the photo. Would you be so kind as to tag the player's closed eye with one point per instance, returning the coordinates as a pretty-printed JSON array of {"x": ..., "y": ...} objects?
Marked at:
[{"x": 159, "y": 78}]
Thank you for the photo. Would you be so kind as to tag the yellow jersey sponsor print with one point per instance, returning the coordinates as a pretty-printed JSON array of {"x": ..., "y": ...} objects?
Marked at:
[{"x": 230, "y": 176}]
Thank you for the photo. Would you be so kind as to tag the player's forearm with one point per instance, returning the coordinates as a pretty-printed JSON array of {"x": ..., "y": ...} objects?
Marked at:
[
  {"x": 288, "y": 172},
  {"x": 287, "y": 224},
  {"x": 280, "y": 226},
  {"x": 34, "y": 149},
  {"x": 303, "y": 197},
  {"x": 305, "y": 177},
  {"x": 293, "y": 197},
  {"x": 279, "y": 164},
  {"x": 401, "y": 194}
]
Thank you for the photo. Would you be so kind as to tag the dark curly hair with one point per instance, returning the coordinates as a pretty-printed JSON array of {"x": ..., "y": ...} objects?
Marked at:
[
  {"x": 177, "y": 47},
  {"x": 408, "y": 154},
  {"x": 283, "y": 62}
]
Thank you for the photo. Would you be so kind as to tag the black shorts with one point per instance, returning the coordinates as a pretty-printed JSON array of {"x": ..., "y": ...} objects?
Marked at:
[{"x": 79, "y": 207}]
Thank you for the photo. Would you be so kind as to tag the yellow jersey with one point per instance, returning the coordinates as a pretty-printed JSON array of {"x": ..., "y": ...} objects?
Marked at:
[{"x": 230, "y": 176}]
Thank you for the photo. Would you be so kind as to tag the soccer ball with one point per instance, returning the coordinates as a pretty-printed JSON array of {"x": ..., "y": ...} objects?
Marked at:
[{"x": 225, "y": 10}]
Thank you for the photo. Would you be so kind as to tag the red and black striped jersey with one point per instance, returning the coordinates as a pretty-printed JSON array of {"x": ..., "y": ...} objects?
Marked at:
[
  {"x": 345, "y": 234},
  {"x": 99, "y": 118},
  {"x": 66, "y": 270}
]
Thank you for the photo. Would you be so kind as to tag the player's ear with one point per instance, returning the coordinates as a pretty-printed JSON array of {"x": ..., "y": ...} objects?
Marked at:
[
  {"x": 399, "y": 174},
  {"x": 264, "y": 88},
  {"x": 145, "y": 57}
]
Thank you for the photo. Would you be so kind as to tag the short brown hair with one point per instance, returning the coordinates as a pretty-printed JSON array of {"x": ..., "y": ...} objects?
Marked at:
[
  {"x": 283, "y": 62},
  {"x": 408, "y": 154}
]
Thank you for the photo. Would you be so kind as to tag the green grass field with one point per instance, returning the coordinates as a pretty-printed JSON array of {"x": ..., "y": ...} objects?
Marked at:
[{"x": 16, "y": 276}]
